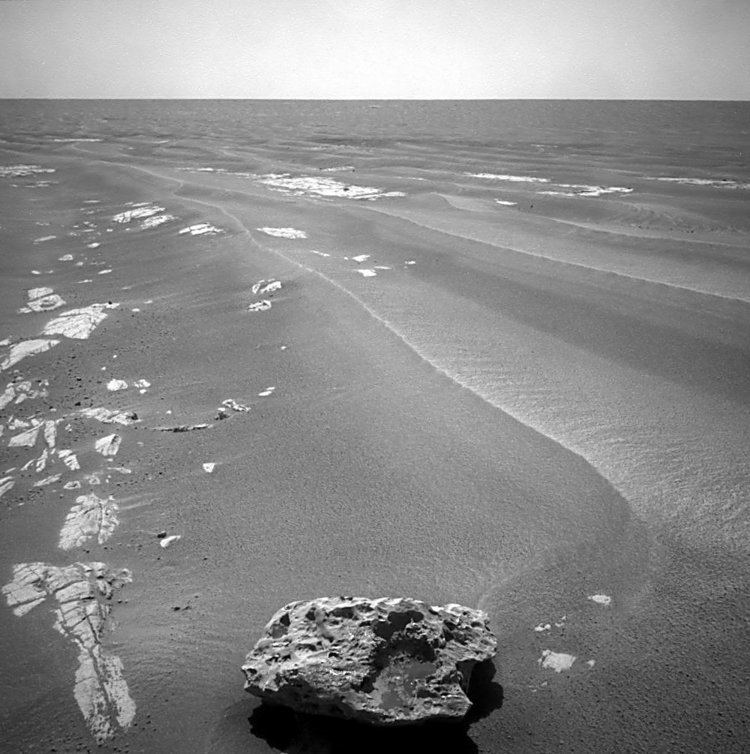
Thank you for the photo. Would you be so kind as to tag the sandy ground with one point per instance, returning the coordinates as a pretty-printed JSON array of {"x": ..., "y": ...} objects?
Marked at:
[{"x": 517, "y": 407}]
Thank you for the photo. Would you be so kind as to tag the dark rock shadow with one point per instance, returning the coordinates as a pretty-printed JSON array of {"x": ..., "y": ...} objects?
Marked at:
[
  {"x": 294, "y": 733},
  {"x": 486, "y": 695}
]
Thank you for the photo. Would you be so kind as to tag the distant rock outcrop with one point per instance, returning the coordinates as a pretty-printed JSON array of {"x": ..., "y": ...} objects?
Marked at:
[{"x": 388, "y": 661}]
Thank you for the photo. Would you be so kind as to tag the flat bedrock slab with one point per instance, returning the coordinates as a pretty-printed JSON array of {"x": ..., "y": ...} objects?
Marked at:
[{"x": 387, "y": 661}]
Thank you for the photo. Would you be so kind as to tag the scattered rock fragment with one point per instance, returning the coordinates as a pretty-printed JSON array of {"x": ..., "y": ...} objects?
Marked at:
[
  {"x": 108, "y": 446},
  {"x": 389, "y": 661},
  {"x": 165, "y": 542},
  {"x": 22, "y": 391},
  {"x": 6, "y": 484},
  {"x": 283, "y": 232},
  {"x": 69, "y": 458},
  {"x": 259, "y": 306},
  {"x": 140, "y": 212},
  {"x": 183, "y": 428},
  {"x": 156, "y": 220},
  {"x": 200, "y": 229},
  {"x": 50, "y": 433},
  {"x": 266, "y": 286},
  {"x": 48, "y": 480},
  {"x": 22, "y": 171},
  {"x": 231, "y": 403},
  {"x": 557, "y": 661}
]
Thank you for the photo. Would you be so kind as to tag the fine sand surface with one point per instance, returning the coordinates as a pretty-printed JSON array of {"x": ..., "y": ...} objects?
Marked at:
[{"x": 536, "y": 407}]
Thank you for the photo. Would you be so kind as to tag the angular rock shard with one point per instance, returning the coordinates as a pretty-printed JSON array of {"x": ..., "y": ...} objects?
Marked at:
[
  {"x": 48, "y": 480},
  {"x": 108, "y": 446},
  {"x": 165, "y": 542},
  {"x": 389, "y": 661},
  {"x": 25, "y": 439},
  {"x": 6, "y": 484}
]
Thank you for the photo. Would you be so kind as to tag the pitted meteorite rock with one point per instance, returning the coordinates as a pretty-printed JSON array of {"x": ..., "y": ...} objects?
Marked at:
[{"x": 389, "y": 661}]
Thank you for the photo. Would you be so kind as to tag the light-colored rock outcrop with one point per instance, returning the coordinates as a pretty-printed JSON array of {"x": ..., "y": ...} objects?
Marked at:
[
  {"x": 42, "y": 300},
  {"x": 78, "y": 323},
  {"x": 18, "y": 392},
  {"x": 108, "y": 416},
  {"x": 90, "y": 518},
  {"x": 81, "y": 595},
  {"x": 389, "y": 661},
  {"x": 18, "y": 351}
]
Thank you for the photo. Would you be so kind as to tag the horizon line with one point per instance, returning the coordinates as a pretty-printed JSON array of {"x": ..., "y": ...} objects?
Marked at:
[{"x": 370, "y": 99}]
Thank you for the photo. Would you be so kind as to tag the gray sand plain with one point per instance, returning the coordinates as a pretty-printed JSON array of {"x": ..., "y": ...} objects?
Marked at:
[{"x": 520, "y": 409}]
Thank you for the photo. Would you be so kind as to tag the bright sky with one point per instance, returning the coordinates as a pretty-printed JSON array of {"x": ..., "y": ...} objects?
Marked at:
[{"x": 370, "y": 49}]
